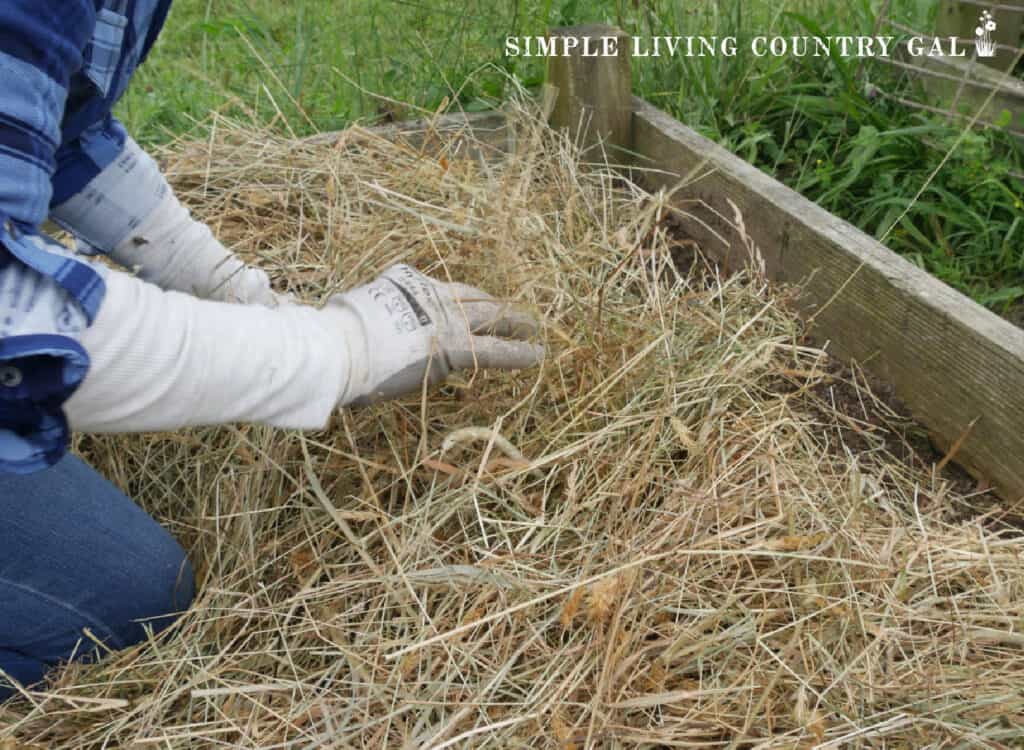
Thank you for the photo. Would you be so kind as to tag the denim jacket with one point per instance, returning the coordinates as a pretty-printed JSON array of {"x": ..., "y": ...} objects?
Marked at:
[{"x": 63, "y": 66}]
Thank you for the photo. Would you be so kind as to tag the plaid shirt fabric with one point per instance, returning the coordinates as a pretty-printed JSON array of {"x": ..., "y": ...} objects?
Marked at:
[{"x": 63, "y": 66}]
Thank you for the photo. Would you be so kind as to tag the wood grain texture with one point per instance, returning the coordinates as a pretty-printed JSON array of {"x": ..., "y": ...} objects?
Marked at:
[
  {"x": 958, "y": 367},
  {"x": 593, "y": 95}
]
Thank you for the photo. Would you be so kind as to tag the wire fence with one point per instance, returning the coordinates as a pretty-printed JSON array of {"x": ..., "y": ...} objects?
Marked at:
[
  {"x": 958, "y": 75},
  {"x": 930, "y": 38},
  {"x": 940, "y": 111}
]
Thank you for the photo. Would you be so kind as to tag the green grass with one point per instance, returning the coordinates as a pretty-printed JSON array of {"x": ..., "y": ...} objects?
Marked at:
[{"x": 944, "y": 198}]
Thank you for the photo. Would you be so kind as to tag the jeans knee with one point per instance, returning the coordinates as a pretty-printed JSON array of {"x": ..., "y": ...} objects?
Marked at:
[
  {"x": 77, "y": 554},
  {"x": 159, "y": 595},
  {"x": 173, "y": 588}
]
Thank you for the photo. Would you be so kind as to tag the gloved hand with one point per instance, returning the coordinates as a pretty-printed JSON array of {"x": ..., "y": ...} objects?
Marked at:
[
  {"x": 130, "y": 212},
  {"x": 405, "y": 330},
  {"x": 164, "y": 360}
]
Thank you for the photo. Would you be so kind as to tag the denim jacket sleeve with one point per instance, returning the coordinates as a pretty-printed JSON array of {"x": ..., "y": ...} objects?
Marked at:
[{"x": 47, "y": 296}]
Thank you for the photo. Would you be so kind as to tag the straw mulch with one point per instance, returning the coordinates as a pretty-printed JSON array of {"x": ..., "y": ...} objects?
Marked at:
[{"x": 682, "y": 531}]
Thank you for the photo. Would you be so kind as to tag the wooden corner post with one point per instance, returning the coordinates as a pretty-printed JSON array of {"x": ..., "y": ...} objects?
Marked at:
[{"x": 590, "y": 77}]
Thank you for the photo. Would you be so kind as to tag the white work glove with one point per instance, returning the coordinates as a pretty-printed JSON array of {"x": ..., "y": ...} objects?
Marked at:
[
  {"x": 405, "y": 330},
  {"x": 129, "y": 212},
  {"x": 164, "y": 360},
  {"x": 174, "y": 251}
]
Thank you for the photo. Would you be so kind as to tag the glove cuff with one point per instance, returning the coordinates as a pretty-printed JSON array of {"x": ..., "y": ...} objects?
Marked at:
[{"x": 163, "y": 360}]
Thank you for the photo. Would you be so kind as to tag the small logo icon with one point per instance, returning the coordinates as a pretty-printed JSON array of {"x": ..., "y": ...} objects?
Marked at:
[{"x": 985, "y": 45}]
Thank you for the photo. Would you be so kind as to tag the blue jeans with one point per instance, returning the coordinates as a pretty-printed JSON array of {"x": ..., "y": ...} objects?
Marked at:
[{"x": 76, "y": 553}]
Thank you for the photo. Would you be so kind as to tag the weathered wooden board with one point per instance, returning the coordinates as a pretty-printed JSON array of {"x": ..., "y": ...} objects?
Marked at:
[
  {"x": 957, "y": 366},
  {"x": 593, "y": 92}
]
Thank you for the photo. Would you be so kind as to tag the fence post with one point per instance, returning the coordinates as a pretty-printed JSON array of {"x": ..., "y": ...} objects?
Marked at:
[
  {"x": 591, "y": 79},
  {"x": 960, "y": 18}
]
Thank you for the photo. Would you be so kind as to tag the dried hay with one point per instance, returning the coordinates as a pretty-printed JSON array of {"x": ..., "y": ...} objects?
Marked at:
[{"x": 667, "y": 537}]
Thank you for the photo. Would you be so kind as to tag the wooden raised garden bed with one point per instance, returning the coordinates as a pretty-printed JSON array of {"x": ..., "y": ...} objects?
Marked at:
[{"x": 958, "y": 367}]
